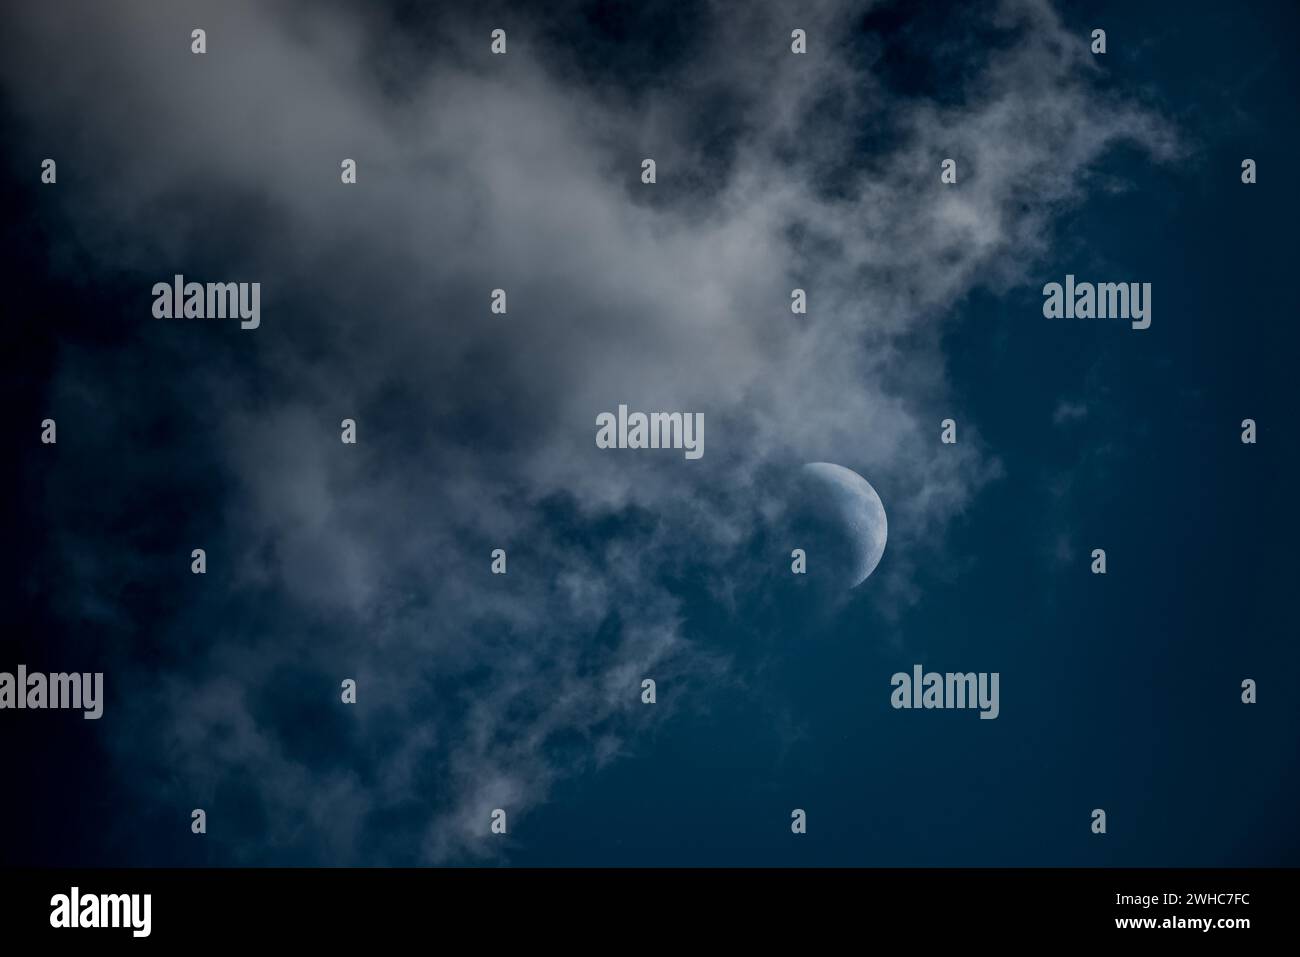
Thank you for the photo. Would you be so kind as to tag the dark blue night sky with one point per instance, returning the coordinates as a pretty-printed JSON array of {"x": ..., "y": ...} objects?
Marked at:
[{"x": 1120, "y": 691}]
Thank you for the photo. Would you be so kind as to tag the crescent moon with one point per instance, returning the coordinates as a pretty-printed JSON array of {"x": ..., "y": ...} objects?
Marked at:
[{"x": 859, "y": 509}]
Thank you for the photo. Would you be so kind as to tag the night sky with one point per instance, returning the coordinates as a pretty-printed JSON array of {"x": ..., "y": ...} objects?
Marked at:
[{"x": 371, "y": 561}]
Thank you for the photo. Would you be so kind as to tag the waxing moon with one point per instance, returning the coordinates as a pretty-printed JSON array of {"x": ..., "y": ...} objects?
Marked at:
[{"x": 858, "y": 510}]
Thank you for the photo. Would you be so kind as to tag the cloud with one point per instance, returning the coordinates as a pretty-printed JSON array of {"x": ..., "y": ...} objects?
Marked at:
[
  {"x": 477, "y": 431},
  {"x": 1067, "y": 411}
]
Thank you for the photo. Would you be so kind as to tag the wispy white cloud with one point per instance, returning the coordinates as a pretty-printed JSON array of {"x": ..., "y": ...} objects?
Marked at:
[{"x": 477, "y": 430}]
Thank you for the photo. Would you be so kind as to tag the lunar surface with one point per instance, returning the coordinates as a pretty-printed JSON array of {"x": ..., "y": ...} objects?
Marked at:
[{"x": 847, "y": 500}]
